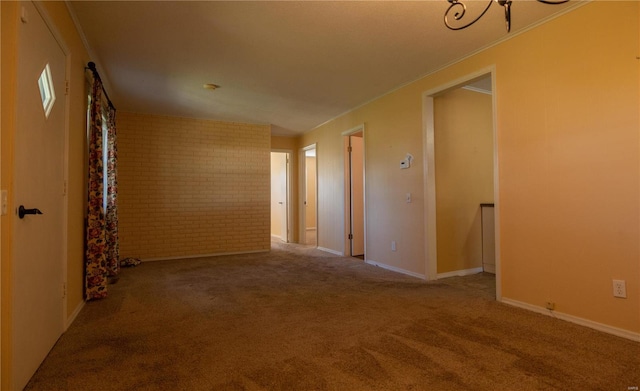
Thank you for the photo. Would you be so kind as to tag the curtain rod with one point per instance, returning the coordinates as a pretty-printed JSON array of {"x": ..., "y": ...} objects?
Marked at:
[{"x": 92, "y": 67}]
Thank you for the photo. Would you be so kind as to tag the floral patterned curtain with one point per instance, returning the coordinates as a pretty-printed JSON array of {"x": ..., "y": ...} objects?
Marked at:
[
  {"x": 111, "y": 214},
  {"x": 102, "y": 249}
]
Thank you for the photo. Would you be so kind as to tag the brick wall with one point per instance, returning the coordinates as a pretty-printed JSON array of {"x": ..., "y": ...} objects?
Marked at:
[{"x": 191, "y": 187}]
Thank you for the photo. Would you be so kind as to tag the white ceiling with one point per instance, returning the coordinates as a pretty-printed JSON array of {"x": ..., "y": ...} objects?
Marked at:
[{"x": 291, "y": 64}]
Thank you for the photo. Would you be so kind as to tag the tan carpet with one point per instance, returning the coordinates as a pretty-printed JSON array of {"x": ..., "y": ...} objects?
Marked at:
[{"x": 299, "y": 319}]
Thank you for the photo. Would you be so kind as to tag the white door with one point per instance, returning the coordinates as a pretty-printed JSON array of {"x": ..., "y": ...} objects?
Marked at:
[
  {"x": 356, "y": 175},
  {"x": 37, "y": 306},
  {"x": 310, "y": 188},
  {"x": 279, "y": 204}
]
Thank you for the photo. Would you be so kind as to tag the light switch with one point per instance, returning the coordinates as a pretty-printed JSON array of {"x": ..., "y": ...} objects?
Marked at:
[{"x": 3, "y": 202}]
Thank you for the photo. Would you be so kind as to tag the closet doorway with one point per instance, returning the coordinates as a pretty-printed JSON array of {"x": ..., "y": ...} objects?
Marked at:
[
  {"x": 309, "y": 171},
  {"x": 462, "y": 224},
  {"x": 280, "y": 195}
]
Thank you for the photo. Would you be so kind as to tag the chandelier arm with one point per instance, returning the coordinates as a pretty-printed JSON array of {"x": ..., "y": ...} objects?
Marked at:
[
  {"x": 507, "y": 13},
  {"x": 462, "y": 9},
  {"x": 460, "y": 15}
]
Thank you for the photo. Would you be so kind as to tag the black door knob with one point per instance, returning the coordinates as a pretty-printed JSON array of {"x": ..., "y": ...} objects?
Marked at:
[{"x": 22, "y": 211}]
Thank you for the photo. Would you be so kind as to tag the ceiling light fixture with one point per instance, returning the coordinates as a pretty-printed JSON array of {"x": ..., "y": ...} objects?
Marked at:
[
  {"x": 210, "y": 86},
  {"x": 459, "y": 9}
]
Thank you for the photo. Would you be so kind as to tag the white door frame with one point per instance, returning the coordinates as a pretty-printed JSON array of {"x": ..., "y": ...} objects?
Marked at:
[
  {"x": 302, "y": 191},
  {"x": 428, "y": 126},
  {"x": 3, "y": 213},
  {"x": 1, "y": 263},
  {"x": 348, "y": 210}
]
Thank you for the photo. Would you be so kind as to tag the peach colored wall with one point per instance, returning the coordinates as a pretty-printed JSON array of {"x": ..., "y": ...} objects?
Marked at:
[
  {"x": 464, "y": 175},
  {"x": 567, "y": 125},
  {"x": 282, "y": 143},
  {"x": 76, "y": 185},
  {"x": 330, "y": 178},
  {"x": 393, "y": 129},
  {"x": 569, "y": 164},
  {"x": 190, "y": 187}
]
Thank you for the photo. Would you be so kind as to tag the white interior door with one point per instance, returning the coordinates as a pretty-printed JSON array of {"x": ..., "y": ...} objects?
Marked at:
[
  {"x": 308, "y": 195},
  {"x": 279, "y": 203},
  {"x": 37, "y": 306},
  {"x": 310, "y": 187},
  {"x": 356, "y": 156}
]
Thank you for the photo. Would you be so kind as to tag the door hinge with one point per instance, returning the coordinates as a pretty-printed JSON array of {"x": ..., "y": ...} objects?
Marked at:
[
  {"x": 64, "y": 290},
  {"x": 66, "y": 87},
  {"x": 350, "y": 149},
  {"x": 64, "y": 188},
  {"x": 350, "y": 236}
]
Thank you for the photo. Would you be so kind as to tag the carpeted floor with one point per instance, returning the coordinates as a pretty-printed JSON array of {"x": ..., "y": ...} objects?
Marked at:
[{"x": 300, "y": 319}]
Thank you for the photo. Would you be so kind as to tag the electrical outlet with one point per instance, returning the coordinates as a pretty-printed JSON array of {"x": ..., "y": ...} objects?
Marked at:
[
  {"x": 619, "y": 289},
  {"x": 393, "y": 246},
  {"x": 550, "y": 305}
]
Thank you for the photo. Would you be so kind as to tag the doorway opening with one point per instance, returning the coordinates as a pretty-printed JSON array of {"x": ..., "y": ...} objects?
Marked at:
[
  {"x": 280, "y": 213},
  {"x": 309, "y": 190},
  {"x": 354, "y": 192},
  {"x": 461, "y": 179}
]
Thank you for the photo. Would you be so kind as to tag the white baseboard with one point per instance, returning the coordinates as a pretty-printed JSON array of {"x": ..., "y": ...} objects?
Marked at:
[
  {"x": 459, "y": 273},
  {"x": 74, "y": 315},
  {"x": 396, "y": 269},
  {"x": 330, "y": 251},
  {"x": 202, "y": 255},
  {"x": 574, "y": 319}
]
